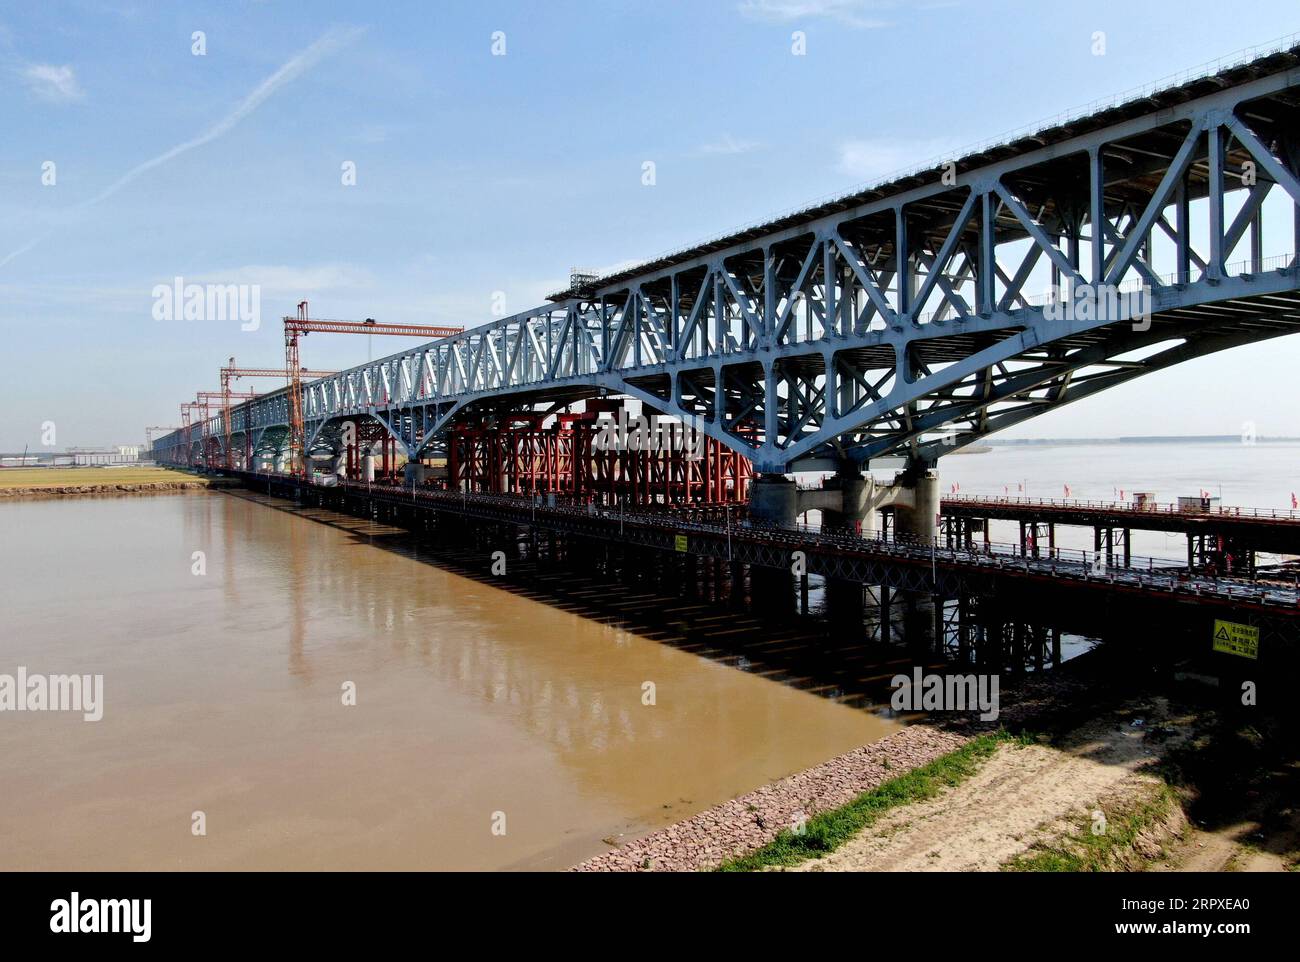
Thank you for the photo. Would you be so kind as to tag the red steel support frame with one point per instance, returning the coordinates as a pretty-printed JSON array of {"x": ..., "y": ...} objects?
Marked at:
[{"x": 518, "y": 455}]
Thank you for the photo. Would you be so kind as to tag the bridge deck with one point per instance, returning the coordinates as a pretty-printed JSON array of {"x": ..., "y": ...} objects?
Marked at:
[{"x": 912, "y": 566}]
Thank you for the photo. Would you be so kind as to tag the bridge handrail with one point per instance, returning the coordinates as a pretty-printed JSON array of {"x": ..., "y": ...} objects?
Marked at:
[
  {"x": 1154, "y": 573},
  {"x": 1223, "y": 511}
]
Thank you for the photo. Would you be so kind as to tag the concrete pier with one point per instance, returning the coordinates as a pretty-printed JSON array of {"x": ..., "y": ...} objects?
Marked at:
[
  {"x": 917, "y": 519},
  {"x": 773, "y": 499}
]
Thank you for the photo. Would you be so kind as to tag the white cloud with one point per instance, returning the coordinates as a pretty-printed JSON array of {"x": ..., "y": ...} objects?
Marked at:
[
  {"x": 874, "y": 158},
  {"x": 297, "y": 65},
  {"x": 57, "y": 84},
  {"x": 727, "y": 144},
  {"x": 858, "y": 14}
]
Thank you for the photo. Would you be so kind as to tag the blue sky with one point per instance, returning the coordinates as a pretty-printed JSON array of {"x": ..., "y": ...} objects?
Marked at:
[{"x": 478, "y": 173}]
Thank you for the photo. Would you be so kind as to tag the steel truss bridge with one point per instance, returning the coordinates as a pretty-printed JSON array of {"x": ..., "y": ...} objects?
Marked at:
[{"x": 895, "y": 321}]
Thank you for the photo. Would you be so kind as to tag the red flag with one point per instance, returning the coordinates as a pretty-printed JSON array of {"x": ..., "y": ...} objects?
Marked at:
[{"x": 1294, "y": 504}]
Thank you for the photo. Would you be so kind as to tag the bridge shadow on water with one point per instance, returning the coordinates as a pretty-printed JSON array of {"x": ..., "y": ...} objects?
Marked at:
[
  {"x": 712, "y": 617},
  {"x": 1236, "y": 773}
]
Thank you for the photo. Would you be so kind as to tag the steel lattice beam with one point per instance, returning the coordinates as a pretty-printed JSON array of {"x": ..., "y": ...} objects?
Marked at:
[{"x": 896, "y": 321}]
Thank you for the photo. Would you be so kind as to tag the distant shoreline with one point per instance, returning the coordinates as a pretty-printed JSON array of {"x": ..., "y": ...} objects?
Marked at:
[
  {"x": 17, "y": 484},
  {"x": 1136, "y": 439}
]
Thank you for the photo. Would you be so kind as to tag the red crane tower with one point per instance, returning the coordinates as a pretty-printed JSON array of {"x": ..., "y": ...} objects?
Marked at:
[
  {"x": 207, "y": 401},
  {"x": 304, "y": 324}
]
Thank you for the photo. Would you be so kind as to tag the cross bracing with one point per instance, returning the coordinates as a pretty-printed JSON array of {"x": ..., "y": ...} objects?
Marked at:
[{"x": 909, "y": 319}]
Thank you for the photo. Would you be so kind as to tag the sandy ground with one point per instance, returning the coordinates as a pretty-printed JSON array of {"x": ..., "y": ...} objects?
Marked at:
[
  {"x": 1019, "y": 795},
  {"x": 1221, "y": 852},
  {"x": 1228, "y": 849}
]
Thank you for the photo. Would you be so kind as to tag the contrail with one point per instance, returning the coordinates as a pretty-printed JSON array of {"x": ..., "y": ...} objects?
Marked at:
[{"x": 292, "y": 69}]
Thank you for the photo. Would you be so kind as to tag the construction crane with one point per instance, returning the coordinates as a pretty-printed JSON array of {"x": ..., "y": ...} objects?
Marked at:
[
  {"x": 149, "y": 431},
  {"x": 232, "y": 372},
  {"x": 207, "y": 401},
  {"x": 187, "y": 408},
  {"x": 302, "y": 325},
  {"x": 213, "y": 397}
]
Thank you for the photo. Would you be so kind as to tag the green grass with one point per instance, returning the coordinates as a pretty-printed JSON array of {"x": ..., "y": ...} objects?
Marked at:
[
  {"x": 1082, "y": 851},
  {"x": 827, "y": 831},
  {"x": 74, "y": 477}
]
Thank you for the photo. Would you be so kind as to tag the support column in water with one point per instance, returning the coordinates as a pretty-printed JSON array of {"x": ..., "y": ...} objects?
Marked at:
[
  {"x": 414, "y": 472},
  {"x": 844, "y": 599},
  {"x": 773, "y": 499},
  {"x": 918, "y": 523}
]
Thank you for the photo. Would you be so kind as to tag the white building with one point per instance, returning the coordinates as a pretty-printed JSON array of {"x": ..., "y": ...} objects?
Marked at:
[{"x": 119, "y": 454}]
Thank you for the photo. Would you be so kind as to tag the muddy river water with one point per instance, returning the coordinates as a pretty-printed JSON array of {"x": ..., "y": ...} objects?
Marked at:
[{"x": 489, "y": 730}]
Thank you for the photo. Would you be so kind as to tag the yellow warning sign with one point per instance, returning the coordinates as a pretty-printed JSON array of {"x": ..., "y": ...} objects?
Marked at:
[
  {"x": 1234, "y": 639},
  {"x": 681, "y": 542}
]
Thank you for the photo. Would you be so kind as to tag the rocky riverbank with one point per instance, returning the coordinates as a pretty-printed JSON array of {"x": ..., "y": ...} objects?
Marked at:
[{"x": 745, "y": 823}]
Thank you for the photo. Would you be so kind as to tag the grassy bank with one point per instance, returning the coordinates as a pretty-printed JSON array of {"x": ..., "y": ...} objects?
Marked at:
[
  {"x": 35, "y": 479},
  {"x": 1130, "y": 825},
  {"x": 827, "y": 831}
]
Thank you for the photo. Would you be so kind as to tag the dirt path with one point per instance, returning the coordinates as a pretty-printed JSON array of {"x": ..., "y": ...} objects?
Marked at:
[
  {"x": 1221, "y": 851},
  {"x": 1019, "y": 795}
]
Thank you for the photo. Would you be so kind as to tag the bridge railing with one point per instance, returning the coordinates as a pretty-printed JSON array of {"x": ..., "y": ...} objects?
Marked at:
[
  {"x": 1142, "y": 572},
  {"x": 1165, "y": 508}
]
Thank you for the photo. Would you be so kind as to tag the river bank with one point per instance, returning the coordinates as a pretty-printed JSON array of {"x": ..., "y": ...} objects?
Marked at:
[
  {"x": 45, "y": 483},
  {"x": 1137, "y": 782},
  {"x": 748, "y": 823}
]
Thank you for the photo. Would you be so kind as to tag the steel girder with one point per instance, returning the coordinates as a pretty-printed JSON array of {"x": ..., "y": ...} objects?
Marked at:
[{"x": 896, "y": 322}]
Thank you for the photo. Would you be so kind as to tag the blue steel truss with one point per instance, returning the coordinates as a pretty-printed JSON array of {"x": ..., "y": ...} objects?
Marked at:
[{"x": 894, "y": 321}]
